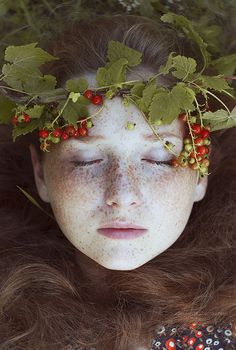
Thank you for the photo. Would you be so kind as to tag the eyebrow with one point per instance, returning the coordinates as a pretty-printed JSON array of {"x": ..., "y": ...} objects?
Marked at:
[{"x": 91, "y": 139}]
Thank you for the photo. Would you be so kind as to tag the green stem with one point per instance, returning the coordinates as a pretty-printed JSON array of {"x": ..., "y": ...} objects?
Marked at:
[
  {"x": 213, "y": 95},
  {"x": 218, "y": 99},
  {"x": 8, "y": 88},
  {"x": 199, "y": 111},
  {"x": 116, "y": 85},
  {"x": 227, "y": 93},
  {"x": 60, "y": 113},
  {"x": 154, "y": 77}
]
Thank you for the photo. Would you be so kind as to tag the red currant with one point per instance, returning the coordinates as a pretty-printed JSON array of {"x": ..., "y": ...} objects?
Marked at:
[
  {"x": 43, "y": 133},
  {"x": 196, "y": 128},
  {"x": 26, "y": 118},
  {"x": 201, "y": 150},
  {"x": 97, "y": 100},
  {"x": 198, "y": 141},
  {"x": 57, "y": 132},
  {"x": 70, "y": 130},
  {"x": 64, "y": 136},
  {"x": 83, "y": 131},
  {"x": 76, "y": 134},
  {"x": 88, "y": 94},
  {"x": 84, "y": 124},
  {"x": 204, "y": 133}
]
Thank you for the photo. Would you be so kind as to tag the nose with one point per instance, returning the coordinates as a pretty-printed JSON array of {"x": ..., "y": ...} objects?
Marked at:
[{"x": 123, "y": 188}]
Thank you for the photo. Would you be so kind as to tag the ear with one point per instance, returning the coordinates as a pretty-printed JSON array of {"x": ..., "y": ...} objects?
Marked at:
[
  {"x": 201, "y": 187},
  {"x": 39, "y": 175}
]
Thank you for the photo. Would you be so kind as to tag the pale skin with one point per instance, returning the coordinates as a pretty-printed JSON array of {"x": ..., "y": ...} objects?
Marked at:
[{"x": 124, "y": 184}]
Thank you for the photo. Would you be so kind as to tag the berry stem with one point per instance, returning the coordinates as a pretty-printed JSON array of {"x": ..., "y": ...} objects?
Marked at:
[
  {"x": 213, "y": 95},
  {"x": 199, "y": 110},
  {"x": 116, "y": 85},
  {"x": 192, "y": 137},
  {"x": 229, "y": 94},
  {"x": 61, "y": 111},
  {"x": 99, "y": 111},
  {"x": 8, "y": 88}
]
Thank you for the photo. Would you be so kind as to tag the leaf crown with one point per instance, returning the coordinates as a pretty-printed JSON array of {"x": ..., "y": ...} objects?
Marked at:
[{"x": 59, "y": 113}]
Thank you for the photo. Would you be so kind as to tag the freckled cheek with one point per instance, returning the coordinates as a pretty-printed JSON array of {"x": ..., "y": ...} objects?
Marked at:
[
  {"x": 65, "y": 186},
  {"x": 172, "y": 186}
]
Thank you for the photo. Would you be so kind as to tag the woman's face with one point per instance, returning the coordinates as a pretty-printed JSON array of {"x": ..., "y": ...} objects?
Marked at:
[{"x": 124, "y": 184}]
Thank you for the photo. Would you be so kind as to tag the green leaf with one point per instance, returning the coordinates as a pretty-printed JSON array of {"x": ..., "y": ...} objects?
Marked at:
[
  {"x": 31, "y": 81},
  {"x": 16, "y": 76},
  {"x": 183, "y": 23},
  {"x": 6, "y": 108},
  {"x": 226, "y": 64},
  {"x": 147, "y": 96},
  {"x": 166, "y": 105},
  {"x": 24, "y": 74},
  {"x": 77, "y": 85},
  {"x": 217, "y": 82},
  {"x": 117, "y": 50},
  {"x": 114, "y": 74},
  {"x": 35, "y": 112},
  {"x": 184, "y": 96},
  {"x": 221, "y": 119},
  {"x": 137, "y": 89},
  {"x": 25, "y": 128},
  {"x": 184, "y": 67},
  {"x": 169, "y": 64},
  {"x": 163, "y": 107},
  {"x": 74, "y": 110},
  {"x": 27, "y": 56},
  {"x": 101, "y": 76},
  {"x": 40, "y": 85}
]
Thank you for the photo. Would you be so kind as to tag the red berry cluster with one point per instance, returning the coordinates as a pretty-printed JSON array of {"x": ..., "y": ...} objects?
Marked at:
[
  {"x": 22, "y": 118},
  {"x": 62, "y": 134},
  {"x": 195, "y": 153},
  {"x": 95, "y": 99}
]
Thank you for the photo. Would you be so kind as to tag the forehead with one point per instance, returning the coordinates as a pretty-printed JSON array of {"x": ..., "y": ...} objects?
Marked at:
[{"x": 112, "y": 121}]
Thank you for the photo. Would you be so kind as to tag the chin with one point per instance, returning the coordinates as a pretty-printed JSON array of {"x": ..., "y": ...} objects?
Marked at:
[{"x": 120, "y": 264}]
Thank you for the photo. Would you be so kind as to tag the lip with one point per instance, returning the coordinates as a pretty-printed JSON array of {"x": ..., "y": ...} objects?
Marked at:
[
  {"x": 122, "y": 233},
  {"x": 122, "y": 225}
]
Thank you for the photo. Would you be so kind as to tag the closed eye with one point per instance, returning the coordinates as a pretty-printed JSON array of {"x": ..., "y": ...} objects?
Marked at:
[{"x": 82, "y": 164}]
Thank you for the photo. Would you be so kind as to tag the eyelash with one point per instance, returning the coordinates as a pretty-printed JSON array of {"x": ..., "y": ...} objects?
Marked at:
[{"x": 83, "y": 164}]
